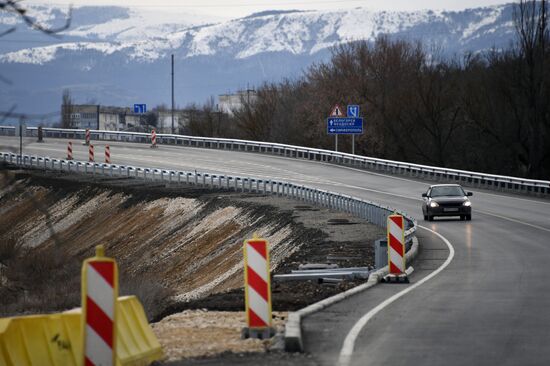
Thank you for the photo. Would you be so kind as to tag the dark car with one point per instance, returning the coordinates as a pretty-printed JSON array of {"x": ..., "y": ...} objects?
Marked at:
[{"x": 446, "y": 200}]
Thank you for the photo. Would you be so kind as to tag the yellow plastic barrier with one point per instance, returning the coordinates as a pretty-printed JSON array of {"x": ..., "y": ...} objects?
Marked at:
[{"x": 56, "y": 339}]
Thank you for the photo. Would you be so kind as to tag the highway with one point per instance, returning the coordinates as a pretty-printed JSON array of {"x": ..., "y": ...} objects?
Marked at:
[{"x": 488, "y": 306}]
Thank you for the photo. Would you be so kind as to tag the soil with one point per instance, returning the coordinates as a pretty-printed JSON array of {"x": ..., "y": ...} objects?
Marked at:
[{"x": 180, "y": 248}]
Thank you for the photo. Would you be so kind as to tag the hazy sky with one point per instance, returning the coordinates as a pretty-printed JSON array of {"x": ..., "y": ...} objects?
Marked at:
[{"x": 239, "y": 8}]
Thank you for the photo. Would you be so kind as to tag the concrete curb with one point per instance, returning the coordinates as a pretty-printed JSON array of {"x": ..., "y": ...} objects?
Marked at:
[{"x": 293, "y": 327}]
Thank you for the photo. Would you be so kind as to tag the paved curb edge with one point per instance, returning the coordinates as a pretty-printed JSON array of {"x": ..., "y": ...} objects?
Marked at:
[{"x": 293, "y": 329}]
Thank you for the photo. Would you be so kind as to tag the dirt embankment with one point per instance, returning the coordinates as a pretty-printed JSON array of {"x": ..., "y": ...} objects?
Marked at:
[{"x": 177, "y": 248}]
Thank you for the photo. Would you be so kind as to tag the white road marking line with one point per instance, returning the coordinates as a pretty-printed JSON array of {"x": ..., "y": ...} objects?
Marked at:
[
  {"x": 514, "y": 220},
  {"x": 349, "y": 343},
  {"x": 403, "y": 179},
  {"x": 336, "y": 184}
]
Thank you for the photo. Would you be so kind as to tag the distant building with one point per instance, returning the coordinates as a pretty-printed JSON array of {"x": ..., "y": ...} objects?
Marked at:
[
  {"x": 118, "y": 118},
  {"x": 164, "y": 120},
  {"x": 98, "y": 117},
  {"x": 82, "y": 115},
  {"x": 231, "y": 102}
]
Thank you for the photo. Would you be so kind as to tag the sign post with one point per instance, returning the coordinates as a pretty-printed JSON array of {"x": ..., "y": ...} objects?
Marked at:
[
  {"x": 336, "y": 112},
  {"x": 353, "y": 111},
  {"x": 99, "y": 294},
  {"x": 396, "y": 249},
  {"x": 351, "y": 124},
  {"x": 257, "y": 289}
]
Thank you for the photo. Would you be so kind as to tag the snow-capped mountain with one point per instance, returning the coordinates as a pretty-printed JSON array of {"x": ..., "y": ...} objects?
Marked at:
[{"x": 118, "y": 56}]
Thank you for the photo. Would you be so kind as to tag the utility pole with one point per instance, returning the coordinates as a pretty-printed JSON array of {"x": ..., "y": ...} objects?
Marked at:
[
  {"x": 21, "y": 138},
  {"x": 172, "y": 93},
  {"x": 248, "y": 90}
]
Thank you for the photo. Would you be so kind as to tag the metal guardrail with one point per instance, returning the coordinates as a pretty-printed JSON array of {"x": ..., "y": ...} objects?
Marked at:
[
  {"x": 370, "y": 211},
  {"x": 467, "y": 178}
]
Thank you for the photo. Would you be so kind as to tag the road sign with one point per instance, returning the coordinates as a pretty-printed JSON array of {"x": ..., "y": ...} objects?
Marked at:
[
  {"x": 353, "y": 111},
  {"x": 345, "y": 125},
  {"x": 140, "y": 108},
  {"x": 336, "y": 111}
]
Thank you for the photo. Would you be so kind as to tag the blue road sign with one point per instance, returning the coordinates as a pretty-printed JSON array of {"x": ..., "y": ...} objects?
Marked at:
[
  {"x": 353, "y": 111},
  {"x": 344, "y": 125},
  {"x": 140, "y": 108}
]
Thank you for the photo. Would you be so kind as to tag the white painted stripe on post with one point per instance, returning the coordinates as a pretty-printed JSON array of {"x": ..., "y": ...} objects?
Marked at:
[
  {"x": 395, "y": 231},
  {"x": 100, "y": 292},
  {"x": 257, "y": 262},
  {"x": 396, "y": 259},
  {"x": 97, "y": 350},
  {"x": 258, "y": 305}
]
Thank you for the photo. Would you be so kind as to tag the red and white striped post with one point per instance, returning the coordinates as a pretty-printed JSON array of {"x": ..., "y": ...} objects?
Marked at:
[
  {"x": 87, "y": 141},
  {"x": 107, "y": 154},
  {"x": 396, "y": 246},
  {"x": 257, "y": 289},
  {"x": 99, "y": 295},
  {"x": 91, "y": 153},
  {"x": 69, "y": 150},
  {"x": 153, "y": 139}
]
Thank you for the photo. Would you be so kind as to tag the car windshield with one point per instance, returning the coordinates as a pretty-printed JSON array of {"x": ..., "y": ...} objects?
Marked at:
[{"x": 447, "y": 191}]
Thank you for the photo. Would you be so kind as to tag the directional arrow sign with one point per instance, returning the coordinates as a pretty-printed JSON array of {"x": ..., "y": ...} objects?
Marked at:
[{"x": 345, "y": 125}]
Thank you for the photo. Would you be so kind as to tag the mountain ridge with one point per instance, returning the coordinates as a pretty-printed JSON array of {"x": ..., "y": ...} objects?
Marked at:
[{"x": 111, "y": 50}]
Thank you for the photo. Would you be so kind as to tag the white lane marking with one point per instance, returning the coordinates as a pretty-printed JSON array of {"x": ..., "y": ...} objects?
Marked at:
[
  {"x": 419, "y": 199},
  {"x": 514, "y": 220},
  {"x": 349, "y": 342},
  {"x": 173, "y": 148},
  {"x": 328, "y": 182},
  {"x": 422, "y": 183}
]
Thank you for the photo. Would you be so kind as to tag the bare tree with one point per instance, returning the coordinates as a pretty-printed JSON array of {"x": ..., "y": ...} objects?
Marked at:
[
  {"x": 14, "y": 6},
  {"x": 531, "y": 80},
  {"x": 66, "y": 109}
]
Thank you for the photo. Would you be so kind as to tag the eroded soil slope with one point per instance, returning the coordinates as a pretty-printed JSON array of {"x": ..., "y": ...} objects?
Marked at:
[{"x": 176, "y": 248}]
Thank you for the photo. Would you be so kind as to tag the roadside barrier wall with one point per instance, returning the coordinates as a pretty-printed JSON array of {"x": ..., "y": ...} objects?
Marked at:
[
  {"x": 438, "y": 174},
  {"x": 373, "y": 212},
  {"x": 56, "y": 339}
]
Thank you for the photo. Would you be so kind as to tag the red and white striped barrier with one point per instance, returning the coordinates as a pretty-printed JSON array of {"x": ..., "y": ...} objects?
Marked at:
[
  {"x": 153, "y": 138},
  {"x": 87, "y": 141},
  {"x": 396, "y": 244},
  {"x": 99, "y": 294},
  {"x": 107, "y": 154},
  {"x": 91, "y": 153},
  {"x": 257, "y": 286},
  {"x": 69, "y": 150}
]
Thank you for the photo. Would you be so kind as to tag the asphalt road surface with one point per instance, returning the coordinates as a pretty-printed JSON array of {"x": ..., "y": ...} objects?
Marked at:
[{"x": 488, "y": 306}]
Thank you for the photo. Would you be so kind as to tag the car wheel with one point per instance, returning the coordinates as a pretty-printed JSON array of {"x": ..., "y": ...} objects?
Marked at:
[
  {"x": 430, "y": 218},
  {"x": 462, "y": 217},
  {"x": 425, "y": 217},
  {"x": 468, "y": 217}
]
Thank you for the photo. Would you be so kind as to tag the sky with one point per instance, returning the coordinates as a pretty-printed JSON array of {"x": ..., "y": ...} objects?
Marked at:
[{"x": 240, "y": 8}]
